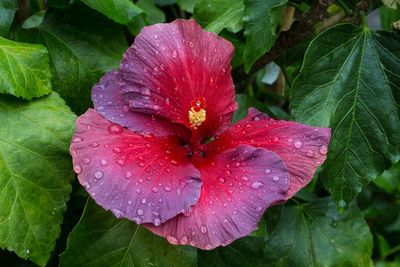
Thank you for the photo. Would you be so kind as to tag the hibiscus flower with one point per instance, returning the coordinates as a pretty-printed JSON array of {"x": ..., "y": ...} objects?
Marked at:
[{"x": 158, "y": 147}]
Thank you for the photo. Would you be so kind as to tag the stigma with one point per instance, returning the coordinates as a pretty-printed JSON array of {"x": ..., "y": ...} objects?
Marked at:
[{"x": 197, "y": 112}]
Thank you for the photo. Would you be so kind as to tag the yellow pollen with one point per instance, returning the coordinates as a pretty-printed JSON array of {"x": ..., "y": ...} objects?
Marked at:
[{"x": 196, "y": 118}]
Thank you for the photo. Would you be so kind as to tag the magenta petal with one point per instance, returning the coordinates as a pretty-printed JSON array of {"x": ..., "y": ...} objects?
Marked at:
[
  {"x": 237, "y": 188},
  {"x": 143, "y": 178},
  {"x": 301, "y": 147},
  {"x": 108, "y": 102},
  {"x": 169, "y": 65}
]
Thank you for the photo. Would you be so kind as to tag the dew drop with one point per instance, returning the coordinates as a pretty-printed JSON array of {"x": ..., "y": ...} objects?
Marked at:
[
  {"x": 275, "y": 178},
  {"x": 259, "y": 209},
  {"x": 140, "y": 212},
  {"x": 154, "y": 189},
  {"x": 77, "y": 140},
  {"x": 114, "y": 129},
  {"x": 267, "y": 171},
  {"x": 167, "y": 188},
  {"x": 342, "y": 204},
  {"x": 298, "y": 144},
  {"x": 172, "y": 239},
  {"x": 138, "y": 191},
  {"x": 203, "y": 229},
  {"x": 244, "y": 178},
  {"x": 28, "y": 251},
  {"x": 276, "y": 139},
  {"x": 323, "y": 149},
  {"x": 129, "y": 202},
  {"x": 256, "y": 185},
  {"x": 78, "y": 169},
  {"x": 208, "y": 247},
  {"x": 120, "y": 162},
  {"x": 118, "y": 213},
  {"x": 174, "y": 54},
  {"x": 98, "y": 174},
  {"x": 184, "y": 240},
  {"x": 128, "y": 175},
  {"x": 103, "y": 162},
  {"x": 86, "y": 160},
  {"x": 309, "y": 153},
  {"x": 141, "y": 164},
  {"x": 157, "y": 222},
  {"x": 221, "y": 180}
]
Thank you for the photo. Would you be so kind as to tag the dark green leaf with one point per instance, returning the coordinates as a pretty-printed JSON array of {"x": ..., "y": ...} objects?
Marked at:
[
  {"x": 247, "y": 251},
  {"x": 60, "y": 3},
  {"x": 164, "y": 2},
  {"x": 35, "y": 20},
  {"x": 24, "y": 69},
  {"x": 237, "y": 59},
  {"x": 316, "y": 234},
  {"x": 35, "y": 173},
  {"x": 100, "y": 239},
  {"x": 388, "y": 16},
  {"x": 187, "y": 5},
  {"x": 349, "y": 82},
  {"x": 261, "y": 20},
  {"x": 82, "y": 45},
  {"x": 216, "y": 15},
  {"x": 7, "y": 12},
  {"x": 153, "y": 13},
  {"x": 121, "y": 11}
]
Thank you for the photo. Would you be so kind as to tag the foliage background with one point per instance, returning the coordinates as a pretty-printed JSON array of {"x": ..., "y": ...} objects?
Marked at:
[{"x": 324, "y": 63}]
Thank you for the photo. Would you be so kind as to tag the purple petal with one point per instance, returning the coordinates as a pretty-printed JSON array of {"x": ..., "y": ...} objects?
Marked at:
[
  {"x": 238, "y": 185},
  {"x": 143, "y": 178}
]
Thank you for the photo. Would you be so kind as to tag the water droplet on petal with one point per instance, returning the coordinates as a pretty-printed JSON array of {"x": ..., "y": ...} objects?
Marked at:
[
  {"x": 208, "y": 247},
  {"x": 114, "y": 129},
  {"x": 98, "y": 174},
  {"x": 267, "y": 171},
  {"x": 184, "y": 240},
  {"x": 259, "y": 209},
  {"x": 275, "y": 178},
  {"x": 310, "y": 153},
  {"x": 77, "y": 140},
  {"x": 120, "y": 162},
  {"x": 298, "y": 144},
  {"x": 256, "y": 185},
  {"x": 221, "y": 180},
  {"x": 167, "y": 188},
  {"x": 323, "y": 149},
  {"x": 128, "y": 175},
  {"x": 103, "y": 162},
  {"x": 78, "y": 169},
  {"x": 86, "y": 160},
  {"x": 140, "y": 212},
  {"x": 276, "y": 139},
  {"x": 203, "y": 229},
  {"x": 172, "y": 239},
  {"x": 244, "y": 178},
  {"x": 118, "y": 213},
  {"x": 154, "y": 189},
  {"x": 157, "y": 222},
  {"x": 174, "y": 53}
]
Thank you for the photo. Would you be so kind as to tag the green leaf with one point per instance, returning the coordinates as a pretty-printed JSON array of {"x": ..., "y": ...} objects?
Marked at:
[
  {"x": 153, "y": 13},
  {"x": 100, "y": 239},
  {"x": 83, "y": 45},
  {"x": 316, "y": 234},
  {"x": 7, "y": 12},
  {"x": 261, "y": 20},
  {"x": 24, "y": 69},
  {"x": 35, "y": 173},
  {"x": 216, "y": 15},
  {"x": 247, "y": 251},
  {"x": 187, "y": 5},
  {"x": 121, "y": 11},
  {"x": 349, "y": 82},
  {"x": 60, "y": 3},
  {"x": 35, "y": 20}
]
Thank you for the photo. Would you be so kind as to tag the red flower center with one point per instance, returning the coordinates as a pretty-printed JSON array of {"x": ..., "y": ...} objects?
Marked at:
[{"x": 197, "y": 112}]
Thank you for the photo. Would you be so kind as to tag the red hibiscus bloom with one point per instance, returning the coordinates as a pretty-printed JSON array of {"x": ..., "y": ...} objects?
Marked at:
[{"x": 145, "y": 151}]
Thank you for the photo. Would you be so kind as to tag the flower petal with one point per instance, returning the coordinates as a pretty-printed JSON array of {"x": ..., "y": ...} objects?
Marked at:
[
  {"x": 107, "y": 100},
  {"x": 143, "y": 178},
  {"x": 169, "y": 65},
  {"x": 237, "y": 188},
  {"x": 301, "y": 147}
]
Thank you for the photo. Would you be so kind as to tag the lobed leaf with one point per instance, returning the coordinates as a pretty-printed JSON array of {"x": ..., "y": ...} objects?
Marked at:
[{"x": 349, "y": 82}]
